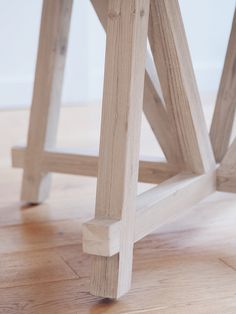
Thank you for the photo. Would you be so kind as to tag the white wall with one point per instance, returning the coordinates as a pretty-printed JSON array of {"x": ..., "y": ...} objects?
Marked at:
[{"x": 207, "y": 25}]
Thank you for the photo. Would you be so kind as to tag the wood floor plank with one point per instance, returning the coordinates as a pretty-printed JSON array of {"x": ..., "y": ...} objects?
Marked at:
[
  {"x": 224, "y": 305},
  {"x": 13, "y": 212},
  {"x": 20, "y": 269},
  {"x": 36, "y": 236},
  {"x": 71, "y": 296}
]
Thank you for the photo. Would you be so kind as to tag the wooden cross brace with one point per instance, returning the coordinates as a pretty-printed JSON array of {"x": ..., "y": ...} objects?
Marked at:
[{"x": 173, "y": 110}]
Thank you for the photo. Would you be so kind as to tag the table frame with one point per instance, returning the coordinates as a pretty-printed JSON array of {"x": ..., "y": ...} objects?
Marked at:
[{"x": 173, "y": 110}]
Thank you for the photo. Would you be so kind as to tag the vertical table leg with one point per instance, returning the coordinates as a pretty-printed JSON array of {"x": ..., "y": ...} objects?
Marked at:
[
  {"x": 153, "y": 106},
  {"x": 46, "y": 97},
  {"x": 120, "y": 136}
]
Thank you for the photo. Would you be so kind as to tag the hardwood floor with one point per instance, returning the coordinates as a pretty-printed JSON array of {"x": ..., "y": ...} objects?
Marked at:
[{"x": 187, "y": 266}]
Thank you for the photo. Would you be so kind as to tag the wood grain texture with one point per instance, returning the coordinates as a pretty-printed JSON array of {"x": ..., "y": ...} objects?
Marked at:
[
  {"x": 85, "y": 163},
  {"x": 44, "y": 115},
  {"x": 119, "y": 148},
  {"x": 153, "y": 106},
  {"x": 226, "y": 173},
  {"x": 159, "y": 121},
  {"x": 224, "y": 114},
  {"x": 171, "y": 55},
  {"x": 169, "y": 200},
  {"x": 27, "y": 268},
  {"x": 188, "y": 266},
  {"x": 39, "y": 236}
]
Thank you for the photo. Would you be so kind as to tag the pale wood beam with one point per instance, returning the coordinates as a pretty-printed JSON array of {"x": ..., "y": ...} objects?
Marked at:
[
  {"x": 174, "y": 67},
  {"x": 224, "y": 114},
  {"x": 120, "y": 135},
  {"x": 44, "y": 114},
  {"x": 158, "y": 119},
  {"x": 85, "y": 163}
]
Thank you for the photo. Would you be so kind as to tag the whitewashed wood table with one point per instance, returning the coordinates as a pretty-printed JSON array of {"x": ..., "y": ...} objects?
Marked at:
[{"x": 174, "y": 111}]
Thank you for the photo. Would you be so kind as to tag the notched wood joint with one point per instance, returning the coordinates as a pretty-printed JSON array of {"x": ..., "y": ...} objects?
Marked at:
[{"x": 101, "y": 237}]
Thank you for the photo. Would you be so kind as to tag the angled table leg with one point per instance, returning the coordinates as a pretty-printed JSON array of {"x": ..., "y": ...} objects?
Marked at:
[
  {"x": 46, "y": 98},
  {"x": 120, "y": 136},
  {"x": 159, "y": 121},
  {"x": 224, "y": 114},
  {"x": 174, "y": 67}
]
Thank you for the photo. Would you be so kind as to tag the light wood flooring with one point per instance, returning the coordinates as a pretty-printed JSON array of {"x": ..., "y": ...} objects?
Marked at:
[{"x": 187, "y": 266}]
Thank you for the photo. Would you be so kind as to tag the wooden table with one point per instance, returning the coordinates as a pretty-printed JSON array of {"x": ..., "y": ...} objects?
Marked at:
[{"x": 174, "y": 111}]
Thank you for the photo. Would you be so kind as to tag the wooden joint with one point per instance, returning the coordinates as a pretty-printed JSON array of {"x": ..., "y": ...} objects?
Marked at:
[
  {"x": 155, "y": 208},
  {"x": 101, "y": 237}
]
